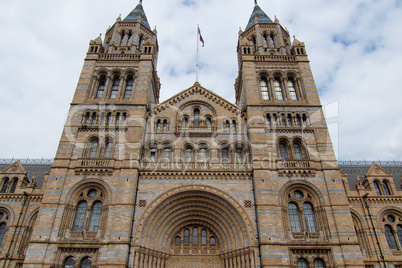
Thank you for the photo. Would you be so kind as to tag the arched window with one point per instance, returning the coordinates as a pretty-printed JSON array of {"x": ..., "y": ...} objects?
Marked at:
[
  {"x": 389, "y": 235},
  {"x": 117, "y": 120},
  {"x": 196, "y": 117},
  {"x": 278, "y": 90},
  {"x": 158, "y": 126},
  {"x": 189, "y": 156},
  {"x": 212, "y": 241},
  {"x": 69, "y": 262},
  {"x": 86, "y": 263},
  {"x": 195, "y": 235},
  {"x": 269, "y": 120},
  {"x": 302, "y": 263},
  {"x": 239, "y": 155},
  {"x": 377, "y": 188},
  {"x": 129, "y": 88},
  {"x": 265, "y": 39},
  {"x": 115, "y": 88},
  {"x": 386, "y": 188},
  {"x": 298, "y": 120},
  {"x": 184, "y": 122},
  {"x": 225, "y": 155},
  {"x": 124, "y": 120},
  {"x": 87, "y": 117},
  {"x": 164, "y": 126},
  {"x": 264, "y": 89},
  {"x": 298, "y": 151},
  {"x": 152, "y": 154},
  {"x": 186, "y": 236},
  {"x": 95, "y": 217},
  {"x": 283, "y": 150},
  {"x": 319, "y": 263},
  {"x": 177, "y": 240},
  {"x": 399, "y": 233},
  {"x": 254, "y": 44},
  {"x": 309, "y": 218},
  {"x": 166, "y": 155},
  {"x": 234, "y": 126},
  {"x": 292, "y": 90},
  {"x": 4, "y": 188},
  {"x": 108, "y": 149},
  {"x": 294, "y": 218},
  {"x": 274, "y": 120},
  {"x": 101, "y": 87},
  {"x": 108, "y": 119},
  {"x": 80, "y": 215},
  {"x": 202, "y": 155},
  {"x": 93, "y": 148},
  {"x": 3, "y": 227},
  {"x": 283, "y": 120},
  {"x": 203, "y": 237},
  {"x": 227, "y": 127},
  {"x": 140, "y": 42},
  {"x": 14, "y": 185},
  {"x": 208, "y": 121}
]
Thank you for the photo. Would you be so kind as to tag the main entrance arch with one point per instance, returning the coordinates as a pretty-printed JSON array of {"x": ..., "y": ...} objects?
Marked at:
[{"x": 195, "y": 226}]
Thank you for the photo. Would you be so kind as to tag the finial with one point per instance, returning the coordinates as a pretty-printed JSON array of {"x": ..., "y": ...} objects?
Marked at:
[
  {"x": 140, "y": 2},
  {"x": 255, "y": 2}
]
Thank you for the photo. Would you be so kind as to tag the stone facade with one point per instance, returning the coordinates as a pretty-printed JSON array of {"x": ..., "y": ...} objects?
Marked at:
[{"x": 196, "y": 181}]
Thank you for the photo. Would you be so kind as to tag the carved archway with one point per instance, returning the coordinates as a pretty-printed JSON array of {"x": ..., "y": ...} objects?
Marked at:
[{"x": 218, "y": 230}]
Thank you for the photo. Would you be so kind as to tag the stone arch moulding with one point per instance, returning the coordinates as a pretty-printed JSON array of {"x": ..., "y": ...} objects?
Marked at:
[
  {"x": 388, "y": 209},
  {"x": 10, "y": 211},
  {"x": 86, "y": 183},
  {"x": 302, "y": 183},
  {"x": 195, "y": 204}
]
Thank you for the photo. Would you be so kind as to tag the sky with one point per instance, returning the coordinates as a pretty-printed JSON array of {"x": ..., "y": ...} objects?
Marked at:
[{"x": 354, "y": 48}]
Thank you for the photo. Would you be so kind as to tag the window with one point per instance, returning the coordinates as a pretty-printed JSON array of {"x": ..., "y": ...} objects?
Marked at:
[
  {"x": 101, "y": 87},
  {"x": 389, "y": 235},
  {"x": 166, "y": 155},
  {"x": 302, "y": 263},
  {"x": 115, "y": 88},
  {"x": 386, "y": 188},
  {"x": 164, "y": 126},
  {"x": 108, "y": 119},
  {"x": 93, "y": 149},
  {"x": 196, "y": 117},
  {"x": 294, "y": 218},
  {"x": 283, "y": 120},
  {"x": 3, "y": 227},
  {"x": 202, "y": 155},
  {"x": 264, "y": 89},
  {"x": 239, "y": 155},
  {"x": 278, "y": 90},
  {"x": 225, "y": 155},
  {"x": 117, "y": 120},
  {"x": 292, "y": 90},
  {"x": 195, "y": 235},
  {"x": 189, "y": 154},
  {"x": 234, "y": 126},
  {"x": 95, "y": 217},
  {"x": 129, "y": 88},
  {"x": 269, "y": 120},
  {"x": 69, "y": 262},
  {"x": 283, "y": 150},
  {"x": 158, "y": 126},
  {"x": 186, "y": 236},
  {"x": 227, "y": 127},
  {"x": 203, "y": 237},
  {"x": 86, "y": 263},
  {"x": 80, "y": 214},
  {"x": 290, "y": 123},
  {"x": 14, "y": 185},
  {"x": 152, "y": 154},
  {"x": 274, "y": 120},
  {"x": 108, "y": 149},
  {"x": 298, "y": 120},
  {"x": 309, "y": 218},
  {"x": 298, "y": 151},
  {"x": 4, "y": 188},
  {"x": 177, "y": 240},
  {"x": 184, "y": 122},
  {"x": 377, "y": 188},
  {"x": 399, "y": 233},
  {"x": 208, "y": 121},
  {"x": 212, "y": 241},
  {"x": 319, "y": 263}
]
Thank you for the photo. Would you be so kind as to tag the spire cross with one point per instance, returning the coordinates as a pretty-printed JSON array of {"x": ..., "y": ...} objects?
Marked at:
[
  {"x": 255, "y": 2},
  {"x": 141, "y": 2}
]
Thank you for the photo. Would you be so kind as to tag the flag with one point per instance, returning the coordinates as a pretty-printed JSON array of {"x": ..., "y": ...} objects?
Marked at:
[{"x": 201, "y": 39}]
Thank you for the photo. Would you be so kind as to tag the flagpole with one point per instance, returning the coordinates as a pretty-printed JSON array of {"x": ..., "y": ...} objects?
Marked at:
[{"x": 196, "y": 67}]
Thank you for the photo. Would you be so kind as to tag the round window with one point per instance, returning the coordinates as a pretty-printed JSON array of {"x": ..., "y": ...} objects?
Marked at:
[{"x": 92, "y": 193}]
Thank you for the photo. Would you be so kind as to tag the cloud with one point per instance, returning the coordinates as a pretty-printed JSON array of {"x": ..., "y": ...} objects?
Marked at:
[{"x": 353, "y": 47}]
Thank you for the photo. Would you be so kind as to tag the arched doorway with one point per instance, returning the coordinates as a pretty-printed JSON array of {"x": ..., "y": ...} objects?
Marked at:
[{"x": 194, "y": 227}]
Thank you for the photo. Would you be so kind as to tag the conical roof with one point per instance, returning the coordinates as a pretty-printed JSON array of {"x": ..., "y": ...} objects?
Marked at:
[
  {"x": 262, "y": 17},
  {"x": 133, "y": 16}
]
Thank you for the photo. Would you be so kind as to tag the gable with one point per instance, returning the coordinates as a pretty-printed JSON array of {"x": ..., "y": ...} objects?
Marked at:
[{"x": 14, "y": 168}]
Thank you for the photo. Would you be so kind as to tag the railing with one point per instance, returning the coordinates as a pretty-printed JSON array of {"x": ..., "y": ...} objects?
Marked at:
[
  {"x": 275, "y": 58},
  {"x": 119, "y": 57},
  {"x": 293, "y": 164},
  {"x": 195, "y": 166},
  {"x": 96, "y": 162},
  {"x": 369, "y": 163},
  {"x": 196, "y": 130},
  {"x": 27, "y": 161},
  {"x": 94, "y": 166}
]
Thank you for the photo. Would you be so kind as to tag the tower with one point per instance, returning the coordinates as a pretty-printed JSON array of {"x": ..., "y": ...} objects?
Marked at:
[
  {"x": 87, "y": 210},
  {"x": 301, "y": 207}
]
